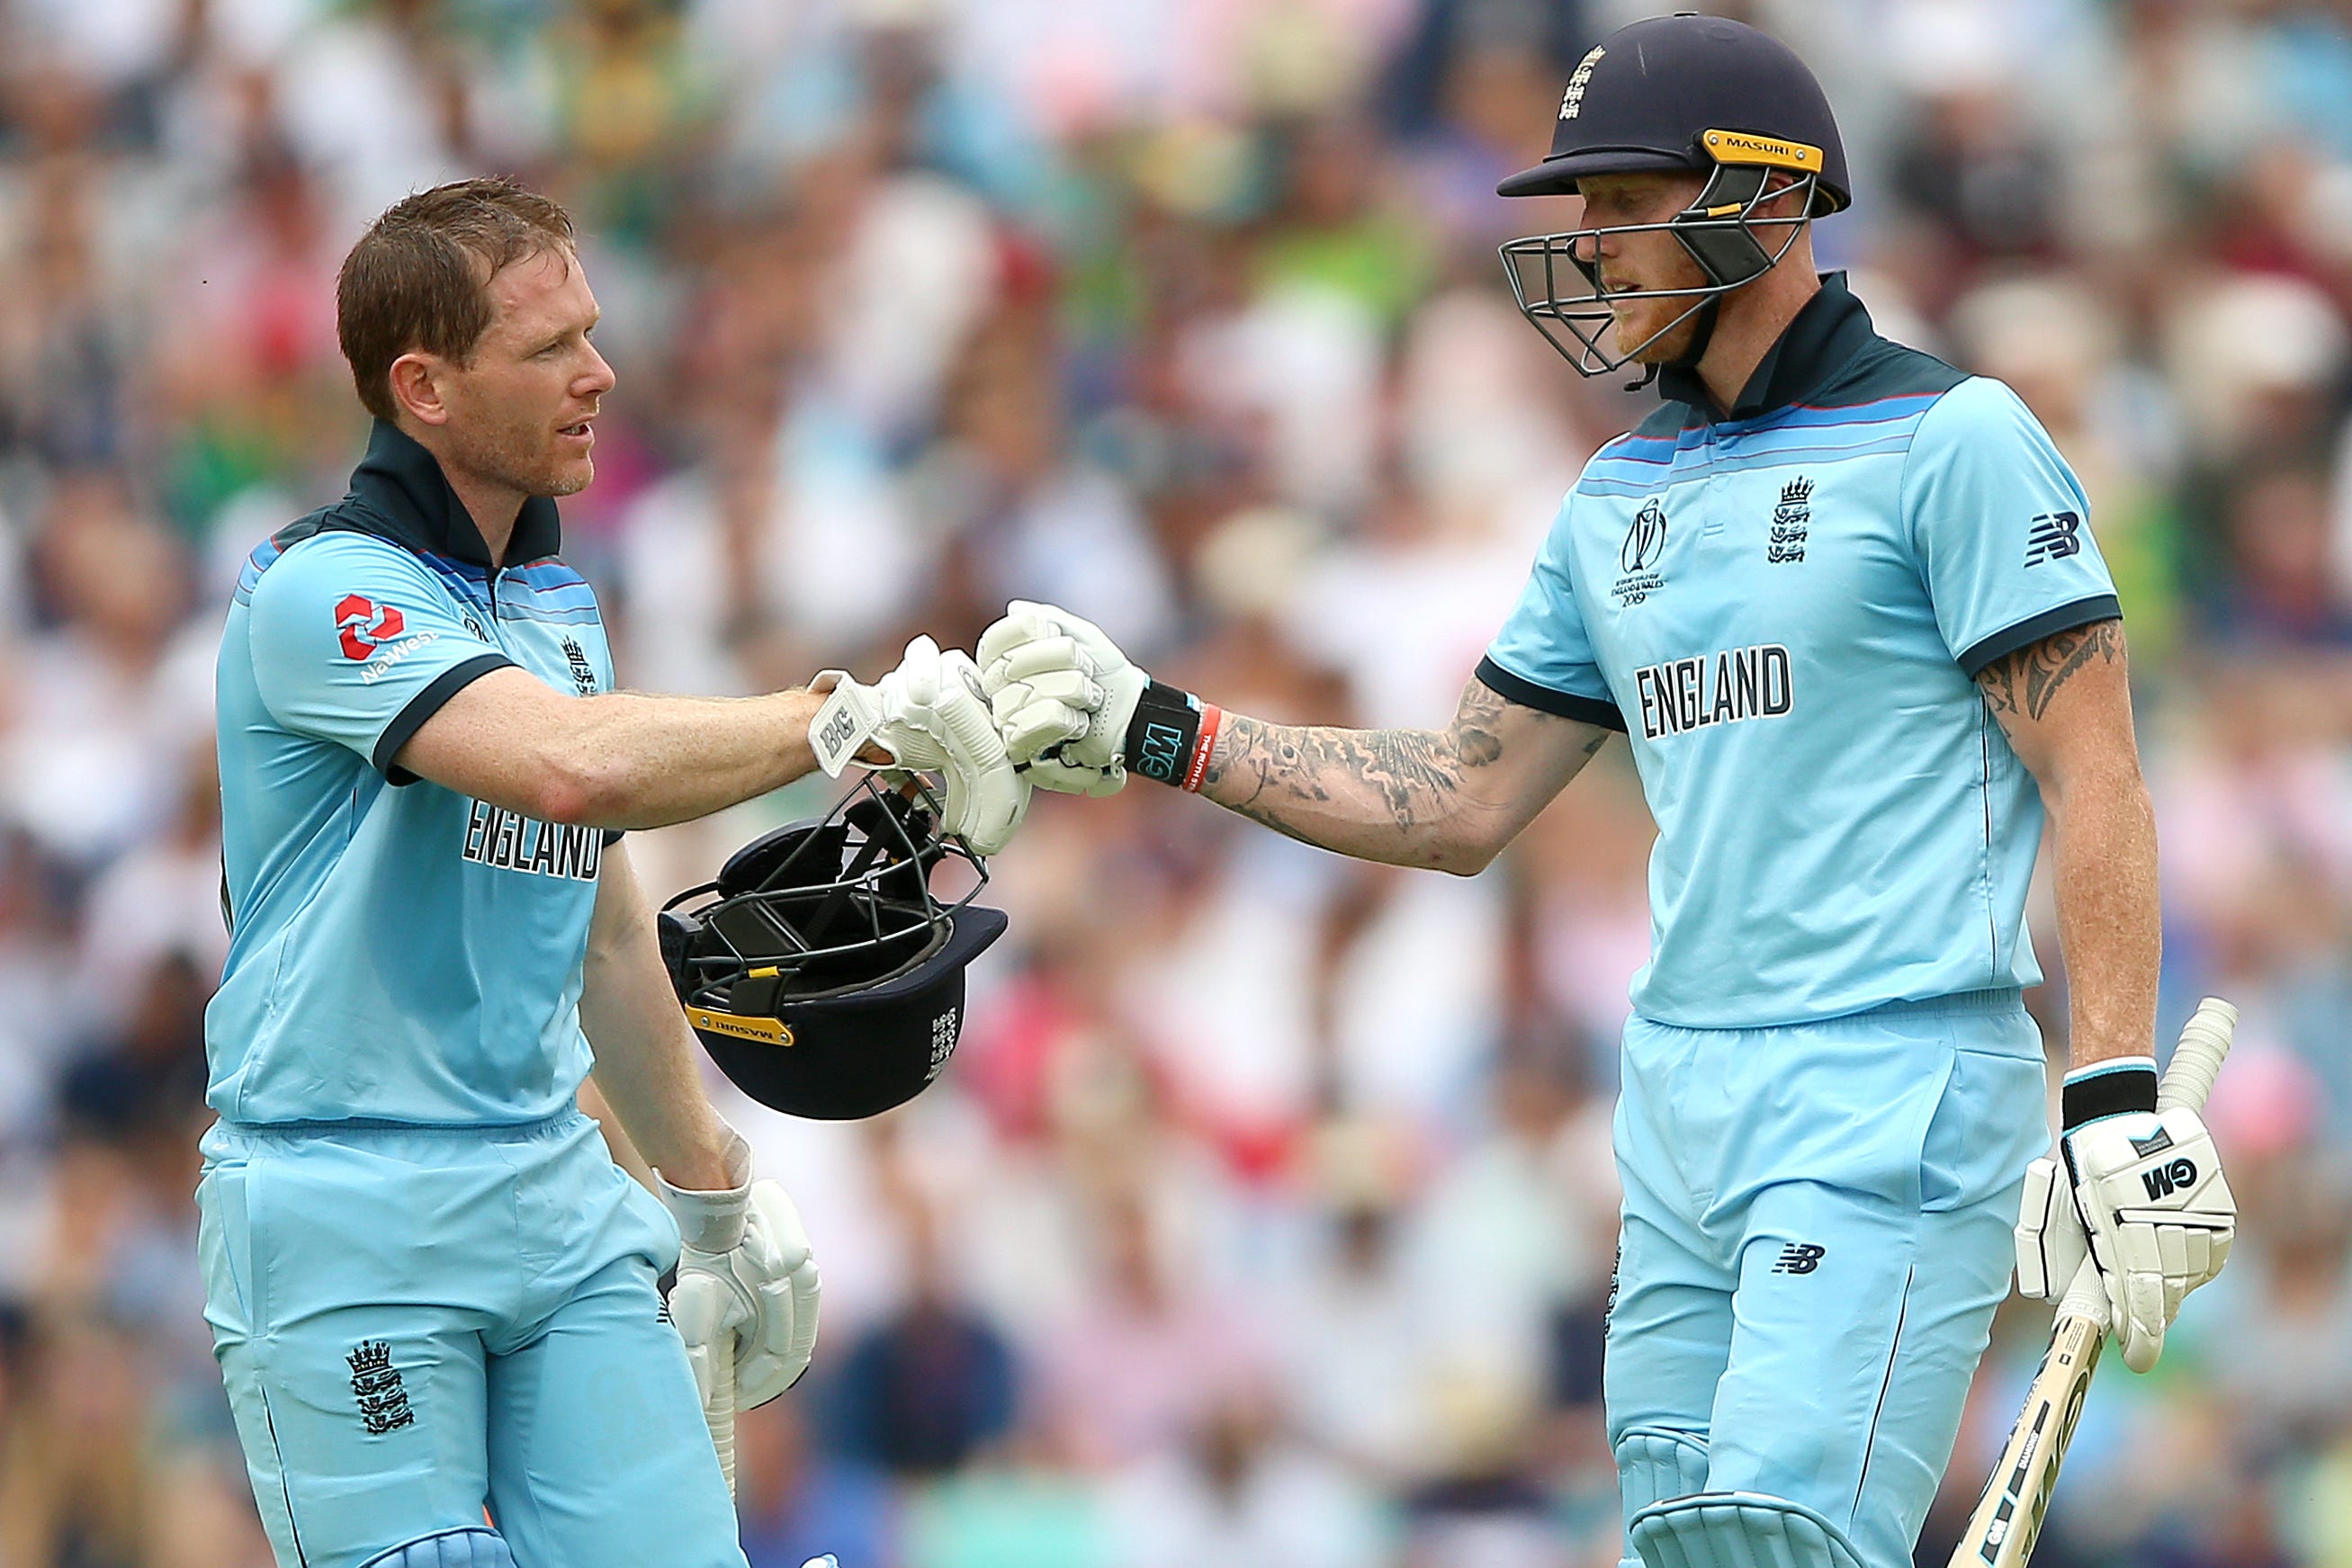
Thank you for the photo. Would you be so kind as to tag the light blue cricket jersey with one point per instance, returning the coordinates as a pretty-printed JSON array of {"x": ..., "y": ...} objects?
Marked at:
[
  {"x": 1785, "y": 609},
  {"x": 398, "y": 952}
]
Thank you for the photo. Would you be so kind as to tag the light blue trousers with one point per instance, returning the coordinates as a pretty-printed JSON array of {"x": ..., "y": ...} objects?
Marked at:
[
  {"x": 1816, "y": 1232},
  {"x": 416, "y": 1325}
]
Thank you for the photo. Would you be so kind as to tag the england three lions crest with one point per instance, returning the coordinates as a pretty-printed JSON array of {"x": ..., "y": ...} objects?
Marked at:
[
  {"x": 376, "y": 1388},
  {"x": 1791, "y": 520}
]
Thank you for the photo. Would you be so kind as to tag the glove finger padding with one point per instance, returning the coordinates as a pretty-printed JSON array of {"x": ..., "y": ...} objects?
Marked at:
[
  {"x": 1053, "y": 772},
  {"x": 987, "y": 797},
  {"x": 1036, "y": 658},
  {"x": 1072, "y": 687},
  {"x": 1029, "y": 729},
  {"x": 2050, "y": 1243},
  {"x": 708, "y": 1310},
  {"x": 1023, "y": 622},
  {"x": 774, "y": 1349},
  {"x": 2136, "y": 1300}
]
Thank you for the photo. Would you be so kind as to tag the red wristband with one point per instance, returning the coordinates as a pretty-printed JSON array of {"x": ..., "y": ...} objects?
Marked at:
[{"x": 1211, "y": 718}]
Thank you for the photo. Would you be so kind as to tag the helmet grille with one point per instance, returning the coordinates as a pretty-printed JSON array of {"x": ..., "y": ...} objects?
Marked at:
[{"x": 818, "y": 908}]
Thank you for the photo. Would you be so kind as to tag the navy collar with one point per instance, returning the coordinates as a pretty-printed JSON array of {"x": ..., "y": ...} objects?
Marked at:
[
  {"x": 404, "y": 496},
  {"x": 1822, "y": 338}
]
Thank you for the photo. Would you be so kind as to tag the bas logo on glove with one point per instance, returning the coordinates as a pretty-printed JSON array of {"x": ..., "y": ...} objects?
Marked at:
[
  {"x": 819, "y": 970},
  {"x": 931, "y": 714}
]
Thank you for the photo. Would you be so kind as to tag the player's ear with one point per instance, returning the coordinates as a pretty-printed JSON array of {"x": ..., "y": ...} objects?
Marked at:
[
  {"x": 1781, "y": 199},
  {"x": 416, "y": 387}
]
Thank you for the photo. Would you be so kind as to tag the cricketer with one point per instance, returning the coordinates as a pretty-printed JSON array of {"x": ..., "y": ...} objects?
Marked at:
[
  {"x": 1845, "y": 604},
  {"x": 432, "y": 1292}
]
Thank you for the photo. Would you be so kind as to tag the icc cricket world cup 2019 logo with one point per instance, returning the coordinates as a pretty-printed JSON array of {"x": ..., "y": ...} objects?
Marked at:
[{"x": 1645, "y": 543}]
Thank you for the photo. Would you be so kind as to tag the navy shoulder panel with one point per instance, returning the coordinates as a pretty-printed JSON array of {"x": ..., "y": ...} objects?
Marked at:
[
  {"x": 302, "y": 527},
  {"x": 352, "y": 515},
  {"x": 1885, "y": 369},
  {"x": 336, "y": 519}
]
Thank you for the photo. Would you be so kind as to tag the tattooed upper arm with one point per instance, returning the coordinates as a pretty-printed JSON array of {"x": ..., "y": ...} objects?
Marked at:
[
  {"x": 1485, "y": 717},
  {"x": 2064, "y": 703},
  {"x": 1477, "y": 730},
  {"x": 2025, "y": 682}
]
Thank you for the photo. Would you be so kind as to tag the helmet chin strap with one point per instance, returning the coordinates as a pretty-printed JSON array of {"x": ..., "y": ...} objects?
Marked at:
[
  {"x": 1702, "y": 334},
  {"x": 1703, "y": 320}
]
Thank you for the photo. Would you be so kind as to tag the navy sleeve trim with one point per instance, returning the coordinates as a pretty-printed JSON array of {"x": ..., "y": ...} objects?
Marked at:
[
  {"x": 423, "y": 705},
  {"x": 2026, "y": 633},
  {"x": 613, "y": 836},
  {"x": 1543, "y": 699}
]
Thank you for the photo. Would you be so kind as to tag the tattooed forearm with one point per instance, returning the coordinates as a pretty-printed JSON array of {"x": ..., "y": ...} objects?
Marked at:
[
  {"x": 2101, "y": 828},
  {"x": 1425, "y": 798},
  {"x": 1410, "y": 774},
  {"x": 2028, "y": 680}
]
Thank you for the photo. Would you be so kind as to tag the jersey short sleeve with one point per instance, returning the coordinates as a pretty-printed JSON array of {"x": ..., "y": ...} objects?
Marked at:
[
  {"x": 1542, "y": 657},
  {"x": 2001, "y": 527},
  {"x": 355, "y": 641}
]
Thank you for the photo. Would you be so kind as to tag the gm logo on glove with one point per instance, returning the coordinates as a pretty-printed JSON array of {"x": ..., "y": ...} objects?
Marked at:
[{"x": 2163, "y": 1181}]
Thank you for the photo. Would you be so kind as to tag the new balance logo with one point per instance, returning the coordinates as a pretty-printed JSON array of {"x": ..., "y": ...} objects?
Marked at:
[
  {"x": 2053, "y": 536},
  {"x": 1799, "y": 1257},
  {"x": 2163, "y": 1181}
]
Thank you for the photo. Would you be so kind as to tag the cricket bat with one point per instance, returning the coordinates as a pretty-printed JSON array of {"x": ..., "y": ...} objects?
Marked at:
[{"x": 2008, "y": 1518}]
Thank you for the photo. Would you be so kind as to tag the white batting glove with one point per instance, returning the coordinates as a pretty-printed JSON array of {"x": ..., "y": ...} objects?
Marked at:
[
  {"x": 746, "y": 1280},
  {"x": 2155, "y": 1209},
  {"x": 1063, "y": 696},
  {"x": 929, "y": 714}
]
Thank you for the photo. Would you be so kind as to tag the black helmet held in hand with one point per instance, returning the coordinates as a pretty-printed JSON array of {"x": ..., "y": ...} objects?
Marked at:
[
  {"x": 819, "y": 970},
  {"x": 1701, "y": 94}
]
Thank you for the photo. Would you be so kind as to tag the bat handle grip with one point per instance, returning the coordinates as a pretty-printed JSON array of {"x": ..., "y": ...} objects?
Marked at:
[
  {"x": 2197, "y": 1060},
  {"x": 720, "y": 1411}
]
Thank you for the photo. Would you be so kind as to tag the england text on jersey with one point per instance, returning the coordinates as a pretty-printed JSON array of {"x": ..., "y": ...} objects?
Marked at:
[
  {"x": 1722, "y": 688},
  {"x": 509, "y": 840}
]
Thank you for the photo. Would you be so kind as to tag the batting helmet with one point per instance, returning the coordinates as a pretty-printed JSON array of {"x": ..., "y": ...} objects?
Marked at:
[
  {"x": 819, "y": 970},
  {"x": 1703, "y": 94}
]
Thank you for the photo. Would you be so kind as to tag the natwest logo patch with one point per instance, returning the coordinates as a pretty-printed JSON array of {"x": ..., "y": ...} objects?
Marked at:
[{"x": 365, "y": 625}]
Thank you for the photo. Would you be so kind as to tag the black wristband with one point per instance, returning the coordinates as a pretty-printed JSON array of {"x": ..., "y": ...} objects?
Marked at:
[
  {"x": 1164, "y": 733},
  {"x": 2107, "y": 1089}
]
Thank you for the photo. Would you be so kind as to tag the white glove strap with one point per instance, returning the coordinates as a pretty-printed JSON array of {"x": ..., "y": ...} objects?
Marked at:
[{"x": 712, "y": 1221}]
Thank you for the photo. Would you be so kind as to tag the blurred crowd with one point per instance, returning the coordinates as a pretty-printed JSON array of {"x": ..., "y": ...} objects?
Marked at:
[{"x": 1265, "y": 1216}]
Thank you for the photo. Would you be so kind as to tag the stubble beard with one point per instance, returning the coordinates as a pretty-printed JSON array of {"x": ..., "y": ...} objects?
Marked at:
[
  {"x": 509, "y": 458},
  {"x": 1671, "y": 345}
]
